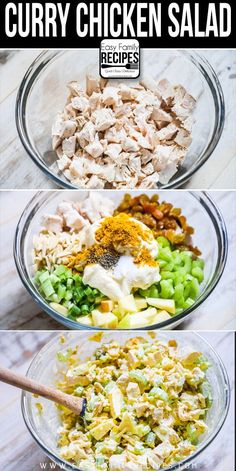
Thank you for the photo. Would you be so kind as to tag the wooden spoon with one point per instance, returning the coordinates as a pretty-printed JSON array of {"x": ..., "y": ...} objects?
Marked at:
[{"x": 75, "y": 404}]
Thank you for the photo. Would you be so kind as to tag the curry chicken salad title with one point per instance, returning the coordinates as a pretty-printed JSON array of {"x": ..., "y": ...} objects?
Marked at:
[{"x": 116, "y": 20}]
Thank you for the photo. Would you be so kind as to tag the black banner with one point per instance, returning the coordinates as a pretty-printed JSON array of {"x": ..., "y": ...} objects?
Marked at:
[{"x": 163, "y": 24}]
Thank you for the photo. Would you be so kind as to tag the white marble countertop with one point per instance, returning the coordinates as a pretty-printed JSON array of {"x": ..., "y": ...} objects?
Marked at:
[
  {"x": 18, "y": 310},
  {"x": 18, "y": 171},
  {"x": 18, "y": 449}
]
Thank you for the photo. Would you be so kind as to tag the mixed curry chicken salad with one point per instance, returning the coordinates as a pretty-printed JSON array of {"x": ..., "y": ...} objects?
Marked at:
[
  {"x": 114, "y": 135},
  {"x": 125, "y": 266},
  {"x": 147, "y": 405}
]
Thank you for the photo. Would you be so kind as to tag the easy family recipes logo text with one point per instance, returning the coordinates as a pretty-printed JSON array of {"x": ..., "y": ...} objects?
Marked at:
[{"x": 115, "y": 19}]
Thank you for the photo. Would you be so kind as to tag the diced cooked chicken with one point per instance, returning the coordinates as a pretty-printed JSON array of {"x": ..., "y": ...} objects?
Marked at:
[
  {"x": 113, "y": 151},
  {"x": 188, "y": 124},
  {"x": 92, "y": 85},
  {"x": 148, "y": 169},
  {"x": 74, "y": 220},
  {"x": 104, "y": 119},
  {"x": 95, "y": 101},
  {"x": 58, "y": 125},
  {"x": 127, "y": 93},
  {"x": 130, "y": 145},
  {"x": 75, "y": 88},
  {"x": 123, "y": 136},
  {"x": 133, "y": 390},
  {"x": 163, "y": 450},
  {"x": 95, "y": 149},
  {"x": 70, "y": 112},
  {"x": 183, "y": 138},
  {"x": 110, "y": 96},
  {"x": 64, "y": 207},
  {"x": 77, "y": 168},
  {"x": 161, "y": 157},
  {"x": 153, "y": 460},
  {"x": 167, "y": 173},
  {"x": 179, "y": 92},
  {"x": 150, "y": 181},
  {"x": 64, "y": 162},
  {"x": 134, "y": 163},
  {"x": 87, "y": 133},
  {"x": 168, "y": 132},
  {"x": 146, "y": 98},
  {"x": 80, "y": 103},
  {"x": 80, "y": 120},
  {"x": 117, "y": 463},
  {"x": 130, "y": 466},
  {"x": 123, "y": 111},
  {"x": 145, "y": 156},
  {"x": 132, "y": 359},
  {"x": 96, "y": 206},
  {"x": 69, "y": 146},
  {"x": 53, "y": 223},
  {"x": 165, "y": 88},
  {"x": 95, "y": 183},
  {"x": 115, "y": 134},
  {"x": 63, "y": 128},
  {"x": 188, "y": 102},
  {"x": 56, "y": 142},
  {"x": 158, "y": 114}
]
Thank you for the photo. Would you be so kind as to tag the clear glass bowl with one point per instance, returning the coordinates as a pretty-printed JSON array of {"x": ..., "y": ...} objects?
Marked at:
[
  {"x": 210, "y": 236},
  {"x": 43, "y": 94},
  {"x": 46, "y": 369}
]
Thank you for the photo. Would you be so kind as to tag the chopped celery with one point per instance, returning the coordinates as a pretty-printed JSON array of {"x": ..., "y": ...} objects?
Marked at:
[
  {"x": 138, "y": 376},
  {"x": 188, "y": 303},
  {"x": 198, "y": 273},
  {"x": 181, "y": 275},
  {"x": 206, "y": 392},
  {"x": 150, "y": 439},
  {"x": 153, "y": 292},
  {"x": 167, "y": 275},
  {"x": 163, "y": 241},
  {"x": 43, "y": 277},
  {"x": 159, "y": 393},
  {"x": 54, "y": 279},
  {"x": 167, "y": 289},
  {"x": 61, "y": 291},
  {"x": 60, "y": 270},
  {"x": 199, "y": 262},
  {"x": 165, "y": 254},
  {"x": 61, "y": 286},
  {"x": 65, "y": 356},
  {"x": 47, "y": 288},
  {"x": 74, "y": 311},
  {"x": 142, "y": 430}
]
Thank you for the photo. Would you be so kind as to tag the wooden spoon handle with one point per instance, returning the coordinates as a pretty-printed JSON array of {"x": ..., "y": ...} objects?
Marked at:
[{"x": 75, "y": 404}]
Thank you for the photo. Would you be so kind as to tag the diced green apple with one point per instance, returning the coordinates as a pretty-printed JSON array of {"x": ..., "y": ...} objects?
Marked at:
[
  {"x": 161, "y": 317},
  {"x": 140, "y": 319},
  {"x": 104, "y": 319},
  {"x": 59, "y": 308},
  {"x": 86, "y": 320},
  {"x": 141, "y": 303},
  {"x": 127, "y": 304},
  {"x": 163, "y": 304}
]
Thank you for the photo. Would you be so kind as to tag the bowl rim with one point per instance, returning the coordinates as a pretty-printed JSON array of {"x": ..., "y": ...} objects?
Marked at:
[
  {"x": 175, "y": 466},
  {"x": 47, "y": 56},
  {"x": 222, "y": 243}
]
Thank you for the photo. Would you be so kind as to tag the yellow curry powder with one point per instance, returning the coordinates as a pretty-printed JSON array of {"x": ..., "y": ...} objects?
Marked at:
[
  {"x": 144, "y": 257},
  {"x": 116, "y": 233},
  {"x": 121, "y": 231}
]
